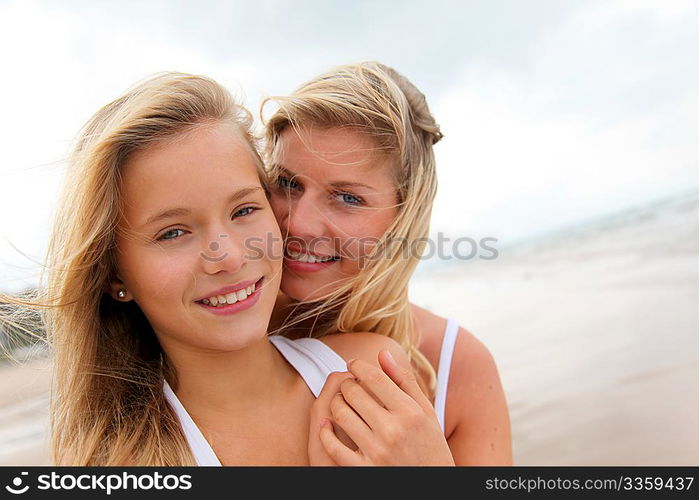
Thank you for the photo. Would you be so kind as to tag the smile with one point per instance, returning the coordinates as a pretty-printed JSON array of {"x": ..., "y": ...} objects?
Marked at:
[
  {"x": 307, "y": 257},
  {"x": 233, "y": 302},
  {"x": 307, "y": 263}
]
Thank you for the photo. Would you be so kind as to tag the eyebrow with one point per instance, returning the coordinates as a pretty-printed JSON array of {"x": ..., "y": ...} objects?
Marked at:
[
  {"x": 336, "y": 184},
  {"x": 178, "y": 212}
]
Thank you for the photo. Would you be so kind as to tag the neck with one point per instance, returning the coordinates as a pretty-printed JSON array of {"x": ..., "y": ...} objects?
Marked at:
[
  {"x": 287, "y": 312},
  {"x": 242, "y": 382}
]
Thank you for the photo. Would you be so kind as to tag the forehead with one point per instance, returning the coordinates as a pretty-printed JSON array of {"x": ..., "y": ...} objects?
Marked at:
[
  {"x": 325, "y": 153},
  {"x": 193, "y": 168}
]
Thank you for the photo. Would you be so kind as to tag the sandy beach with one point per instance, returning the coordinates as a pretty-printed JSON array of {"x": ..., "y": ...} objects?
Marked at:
[
  {"x": 24, "y": 399},
  {"x": 594, "y": 330}
]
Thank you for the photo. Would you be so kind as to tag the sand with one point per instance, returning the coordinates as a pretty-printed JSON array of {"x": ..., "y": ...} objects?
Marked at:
[
  {"x": 594, "y": 330},
  {"x": 596, "y": 335},
  {"x": 24, "y": 398}
]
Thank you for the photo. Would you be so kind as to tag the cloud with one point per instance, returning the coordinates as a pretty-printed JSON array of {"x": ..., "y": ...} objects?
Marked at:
[
  {"x": 553, "y": 111},
  {"x": 602, "y": 116}
]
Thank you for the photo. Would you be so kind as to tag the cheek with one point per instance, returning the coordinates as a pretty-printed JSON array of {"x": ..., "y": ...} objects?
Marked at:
[
  {"x": 280, "y": 206},
  {"x": 264, "y": 243},
  {"x": 165, "y": 278},
  {"x": 155, "y": 274},
  {"x": 359, "y": 232},
  {"x": 349, "y": 268},
  {"x": 379, "y": 222}
]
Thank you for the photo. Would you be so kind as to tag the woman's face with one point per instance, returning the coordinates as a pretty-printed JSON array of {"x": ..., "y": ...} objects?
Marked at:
[
  {"x": 335, "y": 198},
  {"x": 197, "y": 222}
]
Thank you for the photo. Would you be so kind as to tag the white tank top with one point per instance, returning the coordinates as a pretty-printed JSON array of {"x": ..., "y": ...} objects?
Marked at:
[{"x": 314, "y": 361}]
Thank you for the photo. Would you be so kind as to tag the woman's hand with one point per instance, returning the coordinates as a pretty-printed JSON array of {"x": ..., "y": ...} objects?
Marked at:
[
  {"x": 384, "y": 412},
  {"x": 319, "y": 411}
]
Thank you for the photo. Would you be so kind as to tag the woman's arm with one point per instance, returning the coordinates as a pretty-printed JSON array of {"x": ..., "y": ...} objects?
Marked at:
[{"x": 476, "y": 404}]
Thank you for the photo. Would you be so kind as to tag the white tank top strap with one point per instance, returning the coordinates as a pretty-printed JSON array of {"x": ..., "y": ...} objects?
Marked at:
[
  {"x": 201, "y": 449},
  {"x": 312, "y": 358},
  {"x": 314, "y": 361},
  {"x": 448, "y": 342}
]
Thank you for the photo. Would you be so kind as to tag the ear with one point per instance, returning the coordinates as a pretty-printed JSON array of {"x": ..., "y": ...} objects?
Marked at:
[{"x": 114, "y": 287}]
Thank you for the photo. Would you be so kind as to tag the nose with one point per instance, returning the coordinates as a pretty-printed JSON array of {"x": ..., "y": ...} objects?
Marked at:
[
  {"x": 222, "y": 252},
  {"x": 305, "y": 219}
]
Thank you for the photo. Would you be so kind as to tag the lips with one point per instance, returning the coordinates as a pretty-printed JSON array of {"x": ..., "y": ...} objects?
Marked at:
[
  {"x": 305, "y": 257},
  {"x": 227, "y": 309},
  {"x": 306, "y": 267}
]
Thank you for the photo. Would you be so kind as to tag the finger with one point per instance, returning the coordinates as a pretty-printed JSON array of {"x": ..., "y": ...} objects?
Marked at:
[
  {"x": 332, "y": 386},
  {"x": 321, "y": 409},
  {"x": 337, "y": 451},
  {"x": 364, "y": 404},
  {"x": 316, "y": 452},
  {"x": 348, "y": 420},
  {"x": 403, "y": 378},
  {"x": 381, "y": 385}
]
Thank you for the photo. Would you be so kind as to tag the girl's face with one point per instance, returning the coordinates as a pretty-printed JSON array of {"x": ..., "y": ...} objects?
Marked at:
[
  {"x": 198, "y": 228},
  {"x": 334, "y": 199}
]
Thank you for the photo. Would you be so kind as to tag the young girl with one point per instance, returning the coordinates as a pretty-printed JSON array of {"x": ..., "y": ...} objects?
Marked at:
[
  {"x": 351, "y": 160},
  {"x": 164, "y": 267}
]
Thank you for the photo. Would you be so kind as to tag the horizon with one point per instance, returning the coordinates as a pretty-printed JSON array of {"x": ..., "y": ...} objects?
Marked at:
[{"x": 580, "y": 227}]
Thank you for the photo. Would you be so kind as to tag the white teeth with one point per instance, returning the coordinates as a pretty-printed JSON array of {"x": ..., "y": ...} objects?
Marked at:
[
  {"x": 305, "y": 257},
  {"x": 230, "y": 298}
]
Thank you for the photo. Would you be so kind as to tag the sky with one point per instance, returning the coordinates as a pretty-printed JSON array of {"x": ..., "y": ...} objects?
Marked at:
[{"x": 554, "y": 113}]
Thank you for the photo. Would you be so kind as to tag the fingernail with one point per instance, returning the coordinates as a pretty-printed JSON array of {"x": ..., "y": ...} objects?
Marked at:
[
  {"x": 390, "y": 357},
  {"x": 349, "y": 363},
  {"x": 323, "y": 422}
]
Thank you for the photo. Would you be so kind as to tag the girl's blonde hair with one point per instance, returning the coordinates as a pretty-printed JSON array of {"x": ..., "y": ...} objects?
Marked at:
[
  {"x": 379, "y": 102},
  {"x": 108, "y": 406}
]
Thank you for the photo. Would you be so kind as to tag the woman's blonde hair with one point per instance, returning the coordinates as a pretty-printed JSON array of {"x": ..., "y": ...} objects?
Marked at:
[
  {"x": 382, "y": 104},
  {"x": 108, "y": 406}
]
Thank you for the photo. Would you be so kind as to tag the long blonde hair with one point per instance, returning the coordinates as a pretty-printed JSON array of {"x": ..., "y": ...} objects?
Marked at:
[
  {"x": 108, "y": 406},
  {"x": 379, "y": 102}
]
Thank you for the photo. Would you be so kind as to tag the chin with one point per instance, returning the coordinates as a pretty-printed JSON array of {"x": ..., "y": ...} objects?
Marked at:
[
  {"x": 241, "y": 339},
  {"x": 298, "y": 290}
]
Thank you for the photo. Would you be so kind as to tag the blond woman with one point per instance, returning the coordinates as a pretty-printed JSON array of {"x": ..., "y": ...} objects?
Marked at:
[{"x": 350, "y": 156}]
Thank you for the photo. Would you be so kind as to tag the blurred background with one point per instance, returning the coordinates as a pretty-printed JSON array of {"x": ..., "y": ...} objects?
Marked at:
[{"x": 570, "y": 138}]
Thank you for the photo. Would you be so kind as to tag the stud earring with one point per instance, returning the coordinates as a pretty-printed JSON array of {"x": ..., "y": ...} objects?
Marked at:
[{"x": 121, "y": 294}]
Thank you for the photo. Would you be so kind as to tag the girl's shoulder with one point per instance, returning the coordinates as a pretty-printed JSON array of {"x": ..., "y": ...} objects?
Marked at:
[{"x": 365, "y": 346}]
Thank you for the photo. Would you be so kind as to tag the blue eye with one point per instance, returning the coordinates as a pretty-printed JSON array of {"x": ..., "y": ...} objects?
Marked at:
[
  {"x": 350, "y": 199},
  {"x": 285, "y": 183},
  {"x": 163, "y": 236},
  {"x": 244, "y": 212}
]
